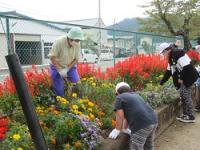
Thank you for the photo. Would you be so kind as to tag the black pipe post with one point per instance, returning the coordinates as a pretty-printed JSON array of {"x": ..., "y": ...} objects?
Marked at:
[{"x": 26, "y": 102}]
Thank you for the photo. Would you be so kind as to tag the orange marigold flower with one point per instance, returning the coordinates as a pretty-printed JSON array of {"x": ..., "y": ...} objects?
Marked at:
[
  {"x": 53, "y": 141},
  {"x": 77, "y": 144},
  {"x": 113, "y": 123}
]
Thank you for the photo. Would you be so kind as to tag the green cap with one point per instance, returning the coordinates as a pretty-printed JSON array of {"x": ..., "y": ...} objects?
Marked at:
[{"x": 75, "y": 33}]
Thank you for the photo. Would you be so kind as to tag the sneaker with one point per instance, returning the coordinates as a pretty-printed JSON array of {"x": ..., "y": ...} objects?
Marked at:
[
  {"x": 180, "y": 117},
  {"x": 187, "y": 119}
]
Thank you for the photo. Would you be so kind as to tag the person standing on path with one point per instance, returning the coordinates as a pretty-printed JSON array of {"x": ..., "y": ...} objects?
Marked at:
[
  {"x": 64, "y": 57},
  {"x": 183, "y": 74},
  {"x": 131, "y": 111},
  {"x": 197, "y": 105}
]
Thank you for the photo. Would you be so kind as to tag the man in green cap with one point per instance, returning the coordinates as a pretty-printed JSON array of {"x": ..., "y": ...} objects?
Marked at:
[{"x": 64, "y": 57}]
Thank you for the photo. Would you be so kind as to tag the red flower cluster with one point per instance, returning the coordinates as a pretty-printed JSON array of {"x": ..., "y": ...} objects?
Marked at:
[
  {"x": 3, "y": 127},
  {"x": 33, "y": 78},
  {"x": 193, "y": 55},
  {"x": 85, "y": 70},
  {"x": 143, "y": 65},
  {"x": 138, "y": 66}
]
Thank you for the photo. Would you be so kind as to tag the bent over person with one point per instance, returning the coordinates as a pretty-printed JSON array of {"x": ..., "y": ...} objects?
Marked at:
[
  {"x": 183, "y": 74},
  {"x": 64, "y": 57},
  {"x": 135, "y": 117}
]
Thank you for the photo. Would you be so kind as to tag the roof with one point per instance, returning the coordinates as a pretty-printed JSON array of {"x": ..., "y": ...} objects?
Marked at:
[
  {"x": 87, "y": 22},
  {"x": 16, "y": 14},
  {"x": 21, "y": 24}
]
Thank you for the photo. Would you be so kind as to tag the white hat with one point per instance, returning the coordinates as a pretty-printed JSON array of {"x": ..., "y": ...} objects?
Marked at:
[
  {"x": 163, "y": 47},
  {"x": 121, "y": 84}
]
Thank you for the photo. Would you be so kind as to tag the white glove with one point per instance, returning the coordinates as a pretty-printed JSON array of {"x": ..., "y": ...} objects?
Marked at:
[
  {"x": 114, "y": 134},
  {"x": 127, "y": 131},
  {"x": 63, "y": 72}
]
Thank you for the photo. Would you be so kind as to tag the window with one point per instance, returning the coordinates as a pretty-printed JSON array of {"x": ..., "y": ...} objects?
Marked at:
[{"x": 47, "y": 48}]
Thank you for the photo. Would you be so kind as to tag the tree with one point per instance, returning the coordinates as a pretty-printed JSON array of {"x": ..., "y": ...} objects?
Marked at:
[{"x": 173, "y": 17}]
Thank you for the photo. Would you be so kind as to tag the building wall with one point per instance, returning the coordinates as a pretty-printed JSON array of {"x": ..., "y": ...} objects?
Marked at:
[
  {"x": 3, "y": 51},
  {"x": 25, "y": 30},
  {"x": 26, "y": 37},
  {"x": 47, "y": 42}
]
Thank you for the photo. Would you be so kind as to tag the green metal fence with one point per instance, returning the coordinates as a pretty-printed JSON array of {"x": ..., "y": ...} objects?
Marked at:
[{"x": 32, "y": 39}]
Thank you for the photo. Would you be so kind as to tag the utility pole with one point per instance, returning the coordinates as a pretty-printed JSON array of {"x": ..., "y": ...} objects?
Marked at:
[{"x": 99, "y": 23}]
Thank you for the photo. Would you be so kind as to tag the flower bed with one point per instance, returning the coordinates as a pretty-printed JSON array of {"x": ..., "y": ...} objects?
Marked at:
[{"x": 77, "y": 123}]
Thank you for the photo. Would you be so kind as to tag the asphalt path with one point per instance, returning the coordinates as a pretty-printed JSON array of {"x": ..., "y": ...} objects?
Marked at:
[{"x": 180, "y": 136}]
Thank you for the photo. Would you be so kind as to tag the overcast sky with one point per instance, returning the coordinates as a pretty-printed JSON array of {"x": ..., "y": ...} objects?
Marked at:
[{"x": 65, "y": 10}]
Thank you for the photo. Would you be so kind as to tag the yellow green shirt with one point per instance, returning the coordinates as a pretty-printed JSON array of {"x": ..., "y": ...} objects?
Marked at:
[{"x": 63, "y": 53}]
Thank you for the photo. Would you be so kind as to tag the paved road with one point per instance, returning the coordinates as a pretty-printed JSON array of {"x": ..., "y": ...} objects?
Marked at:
[
  {"x": 103, "y": 64},
  {"x": 180, "y": 136},
  {"x": 110, "y": 63},
  {"x": 4, "y": 72}
]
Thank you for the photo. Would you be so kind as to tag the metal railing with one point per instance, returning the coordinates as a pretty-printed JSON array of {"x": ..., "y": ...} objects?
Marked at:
[{"x": 32, "y": 39}]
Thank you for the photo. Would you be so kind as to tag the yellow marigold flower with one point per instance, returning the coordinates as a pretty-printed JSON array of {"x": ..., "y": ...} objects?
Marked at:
[
  {"x": 90, "y": 109},
  {"x": 103, "y": 85},
  {"x": 84, "y": 79},
  {"x": 64, "y": 101},
  {"x": 79, "y": 82},
  {"x": 76, "y": 111},
  {"x": 87, "y": 117},
  {"x": 16, "y": 137},
  {"x": 77, "y": 144},
  {"x": 83, "y": 106},
  {"x": 85, "y": 100},
  {"x": 67, "y": 146},
  {"x": 19, "y": 148},
  {"x": 74, "y": 95},
  {"x": 90, "y": 104},
  {"x": 80, "y": 113},
  {"x": 91, "y": 78},
  {"x": 38, "y": 108},
  {"x": 110, "y": 84},
  {"x": 74, "y": 107},
  {"x": 58, "y": 97},
  {"x": 93, "y": 84}
]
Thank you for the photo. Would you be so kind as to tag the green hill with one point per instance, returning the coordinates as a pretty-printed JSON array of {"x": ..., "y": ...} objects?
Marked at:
[{"x": 126, "y": 24}]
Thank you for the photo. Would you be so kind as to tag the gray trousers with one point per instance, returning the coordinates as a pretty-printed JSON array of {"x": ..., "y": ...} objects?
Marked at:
[
  {"x": 186, "y": 99},
  {"x": 143, "y": 139}
]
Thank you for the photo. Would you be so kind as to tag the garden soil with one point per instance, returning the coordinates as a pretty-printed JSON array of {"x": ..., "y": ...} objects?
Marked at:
[{"x": 180, "y": 136}]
